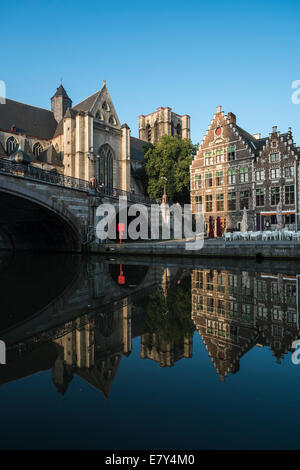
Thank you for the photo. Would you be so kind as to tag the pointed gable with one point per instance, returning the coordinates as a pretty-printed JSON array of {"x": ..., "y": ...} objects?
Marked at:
[{"x": 101, "y": 106}]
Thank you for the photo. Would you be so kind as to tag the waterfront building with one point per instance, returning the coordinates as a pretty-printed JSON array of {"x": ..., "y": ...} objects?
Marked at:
[
  {"x": 234, "y": 170},
  {"x": 85, "y": 141}
]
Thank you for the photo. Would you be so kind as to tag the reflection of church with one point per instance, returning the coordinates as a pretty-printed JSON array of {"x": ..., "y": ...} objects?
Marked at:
[
  {"x": 91, "y": 345},
  {"x": 234, "y": 311},
  {"x": 165, "y": 353}
]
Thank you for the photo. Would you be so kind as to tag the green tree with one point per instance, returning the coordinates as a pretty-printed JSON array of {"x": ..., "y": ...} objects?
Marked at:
[
  {"x": 171, "y": 158},
  {"x": 170, "y": 316}
]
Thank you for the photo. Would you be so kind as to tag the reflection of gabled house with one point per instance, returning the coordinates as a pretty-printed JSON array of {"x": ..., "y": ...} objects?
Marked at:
[
  {"x": 234, "y": 311},
  {"x": 277, "y": 311}
]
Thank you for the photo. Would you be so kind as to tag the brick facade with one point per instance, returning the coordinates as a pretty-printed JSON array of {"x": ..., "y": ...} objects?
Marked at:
[{"x": 234, "y": 169}]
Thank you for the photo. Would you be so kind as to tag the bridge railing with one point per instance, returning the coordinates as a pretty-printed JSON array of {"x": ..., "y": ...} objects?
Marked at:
[
  {"x": 116, "y": 192},
  {"x": 52, "y": 177},
  {"x": 32, "y": 172}
]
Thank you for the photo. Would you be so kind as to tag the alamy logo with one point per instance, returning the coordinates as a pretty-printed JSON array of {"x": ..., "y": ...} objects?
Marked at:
[
  {"x": 296, "y": 93},
  {"x": 151, "y": 223},
  {"x": 2, "y": 92},
  {"x": 296, "y": 353},
  {"x": 2, "y": 353}
]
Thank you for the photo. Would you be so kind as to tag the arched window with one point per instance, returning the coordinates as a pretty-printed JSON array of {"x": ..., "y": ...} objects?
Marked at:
[
  {"x": 178, "y": 129},
  {"x": 11, "y": 145},
  {"x": 105, "y": 106},
  {"x": 105, "y": 167},
  {"x": 37, "y": 150},
  {"x": 148, "y": 132}
]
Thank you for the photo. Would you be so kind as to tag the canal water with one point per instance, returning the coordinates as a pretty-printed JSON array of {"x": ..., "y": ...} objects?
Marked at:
[{"x": 148, "y": 354}]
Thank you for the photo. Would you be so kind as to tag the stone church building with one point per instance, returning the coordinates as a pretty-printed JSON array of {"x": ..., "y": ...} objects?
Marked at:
[{"x": 85, "y": 141}]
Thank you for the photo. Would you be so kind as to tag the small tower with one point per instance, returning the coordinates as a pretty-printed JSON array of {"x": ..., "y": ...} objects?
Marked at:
[
  {"x": 163, "y": 121},
  {"x": 60, "y": 102}
]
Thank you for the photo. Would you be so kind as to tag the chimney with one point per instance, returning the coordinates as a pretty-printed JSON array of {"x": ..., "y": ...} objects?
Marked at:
[
  {"x": 274, "y": 129},
  {"x": 231, "y": 117},
  {"x": 219, "y": 109},
  {"x": 257, "y": 136}
]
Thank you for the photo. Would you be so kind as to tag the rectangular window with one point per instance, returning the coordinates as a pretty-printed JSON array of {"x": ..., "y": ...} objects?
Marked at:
[
  {"x": 244, "y": 175},
  {"x": 221, "y": 282},
  {"x": 260, "y": 175},
  {"x": 291, "y": 294},
  {"x": 262, "y": 311},
  {"x": 219, "y": 178},
  {"x": 221, "y": 307},
  {"x": 275, "y": 195},
  {"x": 289, "y": 194},
  {"x": 289, "y": 171},
  {"x": 208, "y": 180},
  {"x": 231, "y": 176},
  {"x": 275, "y": 173},
  {"x": 244, "y": 199},
  {"x": 208, "y": 203},
  {"x": 209, "y": 281},
  {"x": 291, "y": 316},
  {"x": 210, "y": 304},
  {"x": 209, "y": 159},
  {"x": 260, "y": 197},
  {"x": 233, "y": 284},
  {"x": 219, "y": 156},
  {"x": 231, "y": 201},
  {"x": 231, "y": 153},
  {"x": 198, "y": 181},
  {"x": 277, "y": 314},
  {"x": 274, "y": 157},
  {"x": 220, "y": 202},
  {"x": 199, "y": 280}
]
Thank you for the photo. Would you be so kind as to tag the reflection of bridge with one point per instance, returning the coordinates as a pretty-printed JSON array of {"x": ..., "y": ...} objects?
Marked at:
[
  {"x": 87, "y": 328},
  {"x": 43, "y": 210}
]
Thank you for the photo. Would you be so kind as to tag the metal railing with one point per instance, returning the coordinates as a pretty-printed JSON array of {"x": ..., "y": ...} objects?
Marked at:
[
  {"x": 116, "y": 192},
  {"x": 52, "y": 177},
  {"x": 45, "y": 176}
]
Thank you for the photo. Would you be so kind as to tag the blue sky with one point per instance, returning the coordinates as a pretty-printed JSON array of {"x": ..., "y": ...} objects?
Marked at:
[{"x": 191, "y": 56}]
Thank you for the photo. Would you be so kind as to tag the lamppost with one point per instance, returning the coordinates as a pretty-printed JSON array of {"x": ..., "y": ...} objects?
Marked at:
[
  {"x": 164, "y": 198},
  {"x": 92, "y": 158}
]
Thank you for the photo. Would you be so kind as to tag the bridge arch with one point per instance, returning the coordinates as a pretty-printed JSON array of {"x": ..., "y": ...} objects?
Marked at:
[{"x": 33, "y": 221}]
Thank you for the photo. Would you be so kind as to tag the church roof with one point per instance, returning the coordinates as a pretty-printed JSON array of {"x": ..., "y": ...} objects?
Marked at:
[
  {"x": 61, "y": 92},
  {"x": 36, "y": 122},
  {"x": 87, "y": 104}
]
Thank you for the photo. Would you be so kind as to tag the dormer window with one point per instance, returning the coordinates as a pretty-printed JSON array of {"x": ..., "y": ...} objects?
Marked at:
[
  {"x": 37, "y": 150},
  {"x": 11, "y": 145},
  {"x": 99, "y": 116},
  {"x": 111, "y": 119}
]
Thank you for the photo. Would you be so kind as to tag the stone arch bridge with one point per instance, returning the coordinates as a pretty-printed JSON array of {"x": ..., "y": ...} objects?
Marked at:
[{"x": 45, "y": 211}]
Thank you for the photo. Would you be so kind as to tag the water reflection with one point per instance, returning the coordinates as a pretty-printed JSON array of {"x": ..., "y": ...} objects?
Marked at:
[
  {"x": 83, "y": 320},
  {"x": 233, "y": 312}
]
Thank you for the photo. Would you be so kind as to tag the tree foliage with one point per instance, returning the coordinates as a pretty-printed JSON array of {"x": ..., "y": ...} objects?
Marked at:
[
  {"x": 171, "y": 158},
  {"x": 170, "y": 316}
]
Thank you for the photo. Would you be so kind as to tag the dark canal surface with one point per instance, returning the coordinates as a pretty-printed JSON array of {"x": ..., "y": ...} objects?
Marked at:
[{"x": 148, "y": 354}]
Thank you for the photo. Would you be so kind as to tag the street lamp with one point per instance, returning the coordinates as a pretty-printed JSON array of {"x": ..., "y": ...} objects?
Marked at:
[{"x": 164, "y": 198}]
